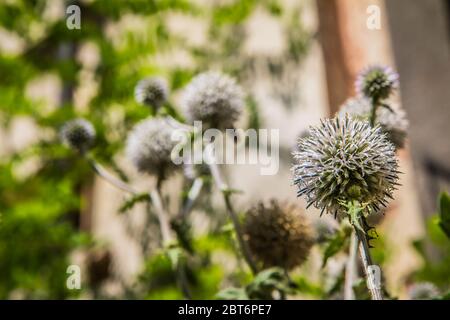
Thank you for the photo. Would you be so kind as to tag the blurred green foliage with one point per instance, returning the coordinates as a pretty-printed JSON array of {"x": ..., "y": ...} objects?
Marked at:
[
  {"x": 40, "y": 211},
  {"x": 436, "y": 262}
]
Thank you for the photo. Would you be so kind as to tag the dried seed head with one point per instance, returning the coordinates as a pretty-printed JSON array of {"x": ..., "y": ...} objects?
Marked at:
[
  {"x": 152, "y": 92},
  {"x": 215, "y": 99},
  {"x": 278, "y": 234},
  {"x": 377, "y": 82},
  {"x": 78, "y": 134},
  {"x": 345, "y": 160},
  {"x": 393, "y": 121},
  {"x": 149, "y": 146},
  {"x": 423, "y": 291}
]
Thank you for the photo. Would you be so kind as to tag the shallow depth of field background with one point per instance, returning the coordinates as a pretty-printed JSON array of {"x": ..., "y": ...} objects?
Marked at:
[{"x": 297, "y": 61}]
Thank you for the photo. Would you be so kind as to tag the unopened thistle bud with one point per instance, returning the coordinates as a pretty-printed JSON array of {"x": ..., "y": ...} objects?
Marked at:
[
  {"x": 278, "y": 234},
  {"x": 377, "y": 82},
  {"x": 78, "y": 134},
  {"x": 215, "y": 99},
  {"x": 152, "y": 92},
  {"x": 345, "y": 160},
  {"x": 393, "y": 121},
  {"x": 149, "y": 146}
]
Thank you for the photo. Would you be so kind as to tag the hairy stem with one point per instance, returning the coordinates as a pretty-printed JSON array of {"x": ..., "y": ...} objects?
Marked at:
[
  {"x": 167, "y": 239},
  {"x": 374, "y": 288},
  {"x": 162, "y": 217},
  {"x": 351, "y": 268},
  {"x": 192, "y": 196},
  {"x": 121, "y": 185},
  {"x": 222, "y": 186},
  {"x": 102, "y": 172},
  {"x": 183, "y": 281},
  {"x": 373, "y": 111},
  {"x": 164, "y": 224}
]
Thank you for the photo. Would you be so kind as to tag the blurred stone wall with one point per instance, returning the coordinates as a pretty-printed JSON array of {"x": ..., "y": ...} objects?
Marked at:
[{"x": 421, "y": 43}]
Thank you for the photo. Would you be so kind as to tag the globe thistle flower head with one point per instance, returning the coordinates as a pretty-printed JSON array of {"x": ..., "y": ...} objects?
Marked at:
[
  {"x": 423, "y": 291},
  {"x": 78, "y": 134},
  {"x": 303, "y": 134},
  {"x": 215, "y": 99},
  {"x": 278, "y": 234},
  {"x": 393, "y": 121},
  {"x": 152, "y": 92},
  {"x": 149, "y": 146},
  {"x": 344, "y": 160},
  {"x": 377, "y": 82}
]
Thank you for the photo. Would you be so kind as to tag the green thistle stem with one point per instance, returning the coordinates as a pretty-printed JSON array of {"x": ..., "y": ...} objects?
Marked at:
[
  {"x": 192, "y": 196},
  {"x": 354, "y": 210},
  {"x": 373, "y": 112},
  {"x": 167, "y": 238},
  {"x": 351, "y": 271},
  {"x": 215, "y": 173},
  {"x": 103, "y": 173},
  {"x": 155, "y": 199},
  {"x": 163, "y": 220}
]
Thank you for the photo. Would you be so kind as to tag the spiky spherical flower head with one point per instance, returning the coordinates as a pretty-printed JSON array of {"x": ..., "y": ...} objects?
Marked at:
[
  {"x": 393, "y": 121},
  {"x": 345, "y": 160},
  {"x": 278, "y": 234},
  {"x": 152, "y": 92},
  {"x": 78, "y": 134},
  {"x": 215, "y": 99},
  {"x": 423, "y": 291},
  {"x": 377, "y": 82},
  {"x": 149, "y": 146}
]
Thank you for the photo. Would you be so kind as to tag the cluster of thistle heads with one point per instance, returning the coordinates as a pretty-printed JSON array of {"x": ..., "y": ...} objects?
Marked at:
[
  {"x": 392, "y": 120},
  {"x": 374, "y": 86},
  {"x": 211, "y": 97},
  {"x": 348, "y": 159},
  {"x": 340, "y": 161}
]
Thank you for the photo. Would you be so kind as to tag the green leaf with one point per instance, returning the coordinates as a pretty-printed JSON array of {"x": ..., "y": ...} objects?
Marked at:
[
  {"x": 254, "y": 119},
  {"x": 444, "y": 213},
  {"x": 419, "y": 246},
  {"x": 304, "y": 285},
  {"x": 274, "y": 7},
  {"x": 232, "y": 294},
  {"x": 266, "y": 282},
  {"x": 130, "y": 203},
  {"x": 336, "y": 244},
  {"x": 175, "y": 254},
  {"x": 183, "y": 231},
  {"x": 445, "y": 296},
  {"x": 230, "y": 191},
  {"x": 360, "y": 289},
  {"x": 268, "y": 275}
]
